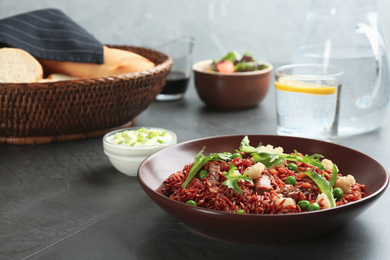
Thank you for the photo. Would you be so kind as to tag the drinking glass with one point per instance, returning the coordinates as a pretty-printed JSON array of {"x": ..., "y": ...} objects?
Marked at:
[
  {"x": 307, "y": 101},
  {"x": 180, "y": 50}
]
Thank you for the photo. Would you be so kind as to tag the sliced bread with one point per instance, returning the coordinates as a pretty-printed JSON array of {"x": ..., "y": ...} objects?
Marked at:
[{"x": 18, "y": 66}]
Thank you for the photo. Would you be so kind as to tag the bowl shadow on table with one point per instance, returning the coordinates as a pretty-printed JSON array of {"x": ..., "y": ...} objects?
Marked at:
[
  {"x": 180, "y": 240},
  {"x": 171, "y": 105},
  {"x": 204, "y": 108}
]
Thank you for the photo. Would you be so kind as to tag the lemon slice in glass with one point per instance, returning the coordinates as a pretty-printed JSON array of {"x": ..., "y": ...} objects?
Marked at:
[{"x": 302, "y": 87}]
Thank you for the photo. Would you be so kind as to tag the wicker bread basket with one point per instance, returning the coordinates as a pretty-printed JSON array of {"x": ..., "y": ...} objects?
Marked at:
[{"x": 32, "y": 113}]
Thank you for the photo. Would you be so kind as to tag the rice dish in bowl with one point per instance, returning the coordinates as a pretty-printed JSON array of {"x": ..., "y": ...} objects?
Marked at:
[{"x": 275, "y": 226}]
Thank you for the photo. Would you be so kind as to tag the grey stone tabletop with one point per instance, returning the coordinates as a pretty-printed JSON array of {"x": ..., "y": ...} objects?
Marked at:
[{"x": 66, "y": 201}]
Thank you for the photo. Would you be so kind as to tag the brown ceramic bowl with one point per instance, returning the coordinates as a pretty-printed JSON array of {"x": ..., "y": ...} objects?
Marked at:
[
  {"x": 262, "y": 229},
  {"x": 235, "y": 91}
]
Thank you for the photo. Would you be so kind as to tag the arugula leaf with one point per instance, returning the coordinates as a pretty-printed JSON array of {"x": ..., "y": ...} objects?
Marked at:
[
  {"x": 334, "y": 176},
  {"x": 270, "y": 158},
  {"x": 220, "y": 156},
  {"x": 232, "y": 179},
  {"x": 325, "y": 186},
  {"x": 246, "y": 148},
  {"x": 201, "y": 160},
  {"x": 313, "y": 160}
]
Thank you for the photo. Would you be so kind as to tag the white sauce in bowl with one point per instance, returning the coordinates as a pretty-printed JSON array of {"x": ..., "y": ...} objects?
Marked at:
[{"x": 140, "y": 137}]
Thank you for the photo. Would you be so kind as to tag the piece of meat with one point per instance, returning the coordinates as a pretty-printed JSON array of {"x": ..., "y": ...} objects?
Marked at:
[
  {"x": 263, "y": 184},
  {"x": 214, "y": 170},
  {"x": 289, "y": 191}
]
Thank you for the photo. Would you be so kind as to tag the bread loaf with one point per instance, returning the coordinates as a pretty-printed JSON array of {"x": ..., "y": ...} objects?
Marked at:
[
  {"x": 116, "y": 62},
  {"x": 18, "y": 66},
  {"x": 57, "y": 77}
]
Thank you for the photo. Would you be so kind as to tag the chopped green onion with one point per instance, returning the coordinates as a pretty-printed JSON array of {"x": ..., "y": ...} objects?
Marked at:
[{"x": 140, "y": 138}]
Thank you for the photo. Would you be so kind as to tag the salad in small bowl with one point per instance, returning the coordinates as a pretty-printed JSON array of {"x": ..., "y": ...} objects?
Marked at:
[
  {"x": 233, "y": 62},
  {"x": 233, "y": 82}
]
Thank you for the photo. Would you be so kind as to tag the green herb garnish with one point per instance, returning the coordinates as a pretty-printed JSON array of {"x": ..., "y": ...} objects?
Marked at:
[
  {"x": 270, "y": 158},
  {"x": 247, "y": 148},
  {"x": 242, "y": 63},
  {"x": 232, "y": 179},
  {"x": 325, "y": 186},
  {"x": 201, "y": 160},
  {"x": 230, "y": 56}
]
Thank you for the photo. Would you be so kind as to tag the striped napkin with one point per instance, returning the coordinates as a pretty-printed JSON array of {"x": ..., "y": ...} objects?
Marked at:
[{"x": 50, "y": 34}]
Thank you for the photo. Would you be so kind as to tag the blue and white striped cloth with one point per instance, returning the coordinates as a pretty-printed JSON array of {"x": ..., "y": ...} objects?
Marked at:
[{"x": 50, "y": 34}]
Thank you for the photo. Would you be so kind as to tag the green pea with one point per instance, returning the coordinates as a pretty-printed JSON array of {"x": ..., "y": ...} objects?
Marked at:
[
  {"x": 303, "y": 204},
  {"x": 203, "y": 174},
  {"x": 313, "y": 206},
  {"x": 235, "y": 155},
  {"x": 291, "y": 180},
  {"x": 292, "y": 167},
  {"x": 338, "y": 193},
  {"x": 191, "y": 202},
  {"x": 240, "y": 211}
]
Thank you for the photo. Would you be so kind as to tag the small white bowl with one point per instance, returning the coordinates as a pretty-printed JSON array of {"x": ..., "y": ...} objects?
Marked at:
[{"x": 127, "y": 159}]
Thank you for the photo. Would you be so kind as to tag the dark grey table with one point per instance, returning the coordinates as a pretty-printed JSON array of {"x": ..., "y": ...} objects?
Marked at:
[{"x": 66, "y": 201}]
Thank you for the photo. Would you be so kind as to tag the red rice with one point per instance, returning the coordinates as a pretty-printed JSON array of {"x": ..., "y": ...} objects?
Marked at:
[{"x": 210, "y": 195}]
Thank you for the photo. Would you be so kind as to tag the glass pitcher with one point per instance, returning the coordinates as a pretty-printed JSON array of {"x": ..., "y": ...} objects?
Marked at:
[{"x": 348, "y": 34}]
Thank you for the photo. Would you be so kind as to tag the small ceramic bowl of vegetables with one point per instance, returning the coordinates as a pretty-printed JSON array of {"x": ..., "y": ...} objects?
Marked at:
[
  {"x": 232, "y": 82},
  {"x": 127, "y": 148}
]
